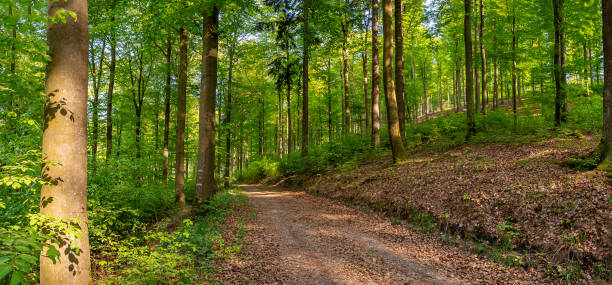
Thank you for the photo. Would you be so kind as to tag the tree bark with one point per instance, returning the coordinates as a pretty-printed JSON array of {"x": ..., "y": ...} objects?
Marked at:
[
  {"x": 400, "y": 79},
  {"x": 607, "y": 63},
  {"x": 64, "y": 141},
  {"x": 329, "y": 100},
  {"x": 346, "y": 121},
  {"x": 205, "y": 180},
  {"x": 181, "y": 110},
  {"x": 483, "y": 57},
  {"x": 168, "y": 55},
  {"x": 469, "y": 87},
  {"x": 228, "y": 118},
  {"x": 375, "y": 78},
  {"x": 305, "y": 80},
  {"x": 397, "y": 145},
  {"x": 559, "y": 63},
  {"x": 111, "y": 88},
  {"x": 96, "y": 74}
]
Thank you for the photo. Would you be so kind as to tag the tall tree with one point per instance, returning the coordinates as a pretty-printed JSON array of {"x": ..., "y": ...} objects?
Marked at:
[
  {"x": 181, "y": 110},
  {"x": 205, "y": 179},
  {"x": 559, "y": 63},
  {"x": 483, "y": 57},
  {"x": 111, "y": 90},
  {"x": 606, "y": 6},
  {"x": 397, "y": 145},
  {"x": 64, "y": 140},
  {"x": 305, "y": 80},
  {"x": 514, "y": 45},
  {"x": 375, "y": 78},
  {"x": 228, "y": 116},
  {"x": 167, "y": 88},
  {"x": 400, "y": 79},
  {"x": 469, "y": 87},
  {"x": 96, "y": 75},
  {"x": 346, "y": 119}
]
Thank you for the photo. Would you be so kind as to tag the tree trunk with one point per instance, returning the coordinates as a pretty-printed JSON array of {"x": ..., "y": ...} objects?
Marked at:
[
  {"x": 111, "y": 88},
  {"x": 375, "y": 78},
  {"x": 559, "y": 63},
  {"x": 400, "y": 79},
  {"x": 64, "y": 141},
  {"x": 475, "y": 63},
  {"x": 228, "y": 118},
  {"x": 364, "y": 60},
  {"x": 397, "y": 145},
  {"x": 96, "y": 74},
  {"x": 425, "y": 95},
  {"x": 305, "y": 80},
  {"x": 181, "y": 110},
  {"x": 205, "y": 180},
  {"x": 514, "y": 102},
  {"x": 483, "y": 57},
  {"x": 167, "y": 106},
  {"x": 607, "y": 63},
  {"x": 346, "y": 120},
  {"x": 469, "y": 88}
]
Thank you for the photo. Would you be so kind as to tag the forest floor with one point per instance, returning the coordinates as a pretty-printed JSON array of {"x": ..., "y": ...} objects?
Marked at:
[
  {"x": 518, "y": 202},
  {"x": 298, "y": 238}
]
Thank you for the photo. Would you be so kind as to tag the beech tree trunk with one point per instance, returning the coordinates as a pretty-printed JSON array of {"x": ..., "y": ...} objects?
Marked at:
[
  {"x": 305, "y": 81},
  {"x": 205, "y": 180},
  {"x": 228, "y": 118},
  {"x": 64, "y": 141},
  {"x": 168, "y": 55},
  {"x": 397, "y": 145},
  {"x": 346, "y": 121},
  {"x": 96, "y": 74},
  {"x": 607, "y": 63},
  {"x": 111, "y": 88},
  {"x": 400, "y": 79},
  {"x": 375, "y": 78},
  {"x": 181, "y": 110},
  {"x": 469, "y": 87},
  {"x": 483, "y": 57},
  {"x": 559, "y": 63}
]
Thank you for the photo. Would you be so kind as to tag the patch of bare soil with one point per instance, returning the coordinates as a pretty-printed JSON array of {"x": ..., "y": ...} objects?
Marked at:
[
  {"x": 513, "y": 194},
  {"x": 298, "y": 238}
]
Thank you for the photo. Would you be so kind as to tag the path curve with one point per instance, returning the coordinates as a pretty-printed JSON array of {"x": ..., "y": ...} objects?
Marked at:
[{"x": 298, "y": 238}]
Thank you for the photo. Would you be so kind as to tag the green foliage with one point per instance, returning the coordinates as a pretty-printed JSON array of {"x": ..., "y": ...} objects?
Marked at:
[
  {"x": 20, "y": 247},
  {"x": 181, "y": 256}
]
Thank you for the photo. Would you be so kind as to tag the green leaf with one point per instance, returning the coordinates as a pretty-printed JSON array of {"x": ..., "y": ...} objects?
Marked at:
[
  {"x": 16, "y": 278},
  {"x": 4, "y": 270},
  {"x": 28, "y": 258}
]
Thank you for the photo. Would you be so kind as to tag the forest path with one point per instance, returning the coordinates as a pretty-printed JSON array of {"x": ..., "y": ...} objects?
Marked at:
[{"x": 298, "y": 238}]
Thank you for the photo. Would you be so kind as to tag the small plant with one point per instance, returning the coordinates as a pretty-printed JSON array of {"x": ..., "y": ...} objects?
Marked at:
[
  {"x": 466, "y": 197},
  {"x": 508, "y": 231}
]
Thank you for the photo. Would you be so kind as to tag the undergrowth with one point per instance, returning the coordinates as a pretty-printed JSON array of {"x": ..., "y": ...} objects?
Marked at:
[{"x": 165, "y": 256}]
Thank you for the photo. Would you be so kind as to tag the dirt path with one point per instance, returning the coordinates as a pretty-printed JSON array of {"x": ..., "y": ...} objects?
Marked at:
[{"x": 298, "y": 238}]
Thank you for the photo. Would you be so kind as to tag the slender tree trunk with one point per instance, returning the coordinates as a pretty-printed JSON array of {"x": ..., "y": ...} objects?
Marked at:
[
  {"x": 440, "y": 89},
  {"x": 375, "y": 78},
  {"x": 205, "y": 180},
  {"x": 483, "y": 57},
  {"x": 289, "y": 124},
  {"x": 96, "y": 74},
  {"x": 228, "y": 118},
  {"x": 345, "y": 79},
  {"x": 607, "y": 63},
  {"x": 514, "y": 102},
  {"x": 425, "y": 94},
  {"x": 64, "y": 142},
  {"x": 305, "y": 80},
  {"x": 559, "y": 63},
  {"x": 364, "y": 59},
  {"x": 181, "y": 110},
  {"x": 397, "y": 146},
  {"x": 475, "y": 62},
  {"x": 167, "y": 106},
  {"x": 329, "y": 100},
  {"x": 111, "y": 88},
  {"x": 469, "y": 92},
  {"x": 400, "y": 79}
]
